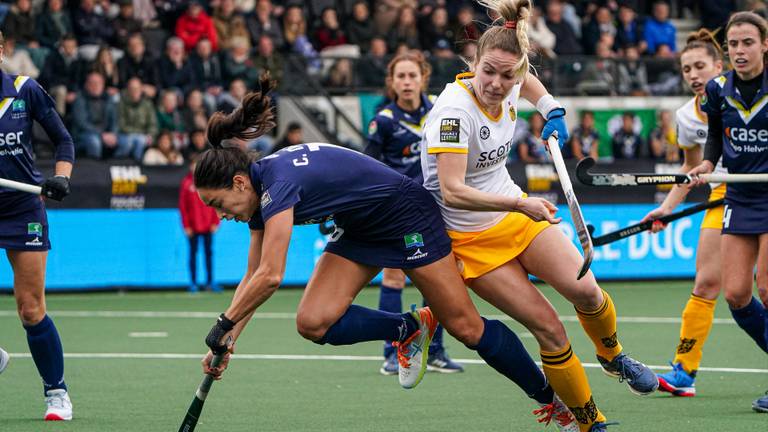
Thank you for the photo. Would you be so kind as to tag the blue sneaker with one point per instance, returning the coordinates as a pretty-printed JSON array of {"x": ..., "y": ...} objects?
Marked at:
[
  {"x": 440, "y": 362},
  {"x": 761, "y": 404},
  {"x": 215, "y": 288},
  {"x": 639, "y": 377},
  {"x": 601, "y": 427},
  {"x": 390, "y": 366},
  {"x": 678, "y": 382}
]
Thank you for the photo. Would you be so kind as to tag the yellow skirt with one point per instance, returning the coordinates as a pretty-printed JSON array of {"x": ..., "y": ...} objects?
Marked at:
[
  {"x": 477, "y": 253},
  {"x": 713, "y": 218}
]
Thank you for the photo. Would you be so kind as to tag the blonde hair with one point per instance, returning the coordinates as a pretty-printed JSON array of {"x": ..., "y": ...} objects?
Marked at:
[{"x": 512, "y": 33}]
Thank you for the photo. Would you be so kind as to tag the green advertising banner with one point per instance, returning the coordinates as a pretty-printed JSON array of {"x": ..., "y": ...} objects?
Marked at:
[{"x": 607, "y": 122}]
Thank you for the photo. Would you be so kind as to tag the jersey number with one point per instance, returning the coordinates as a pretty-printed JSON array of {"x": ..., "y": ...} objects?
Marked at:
[{"x": 303, "y": 160}]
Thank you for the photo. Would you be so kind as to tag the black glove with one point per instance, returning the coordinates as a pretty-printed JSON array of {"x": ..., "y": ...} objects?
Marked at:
[
  {"x": 223, "y": 326},
  {"x": 56, "y": 187}
]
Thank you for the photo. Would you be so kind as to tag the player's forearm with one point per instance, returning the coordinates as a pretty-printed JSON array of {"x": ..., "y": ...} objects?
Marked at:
[
  {"x": 63, "y": 168},
  {"x": 465, "y": 197},
  {"x": 253, "y": 294}
]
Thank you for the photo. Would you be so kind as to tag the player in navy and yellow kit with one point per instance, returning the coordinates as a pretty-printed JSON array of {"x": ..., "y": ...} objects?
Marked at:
[
  {"x": 700, "y": 61},
  {"x": 24, "y": 225},
  {"x": 383, "y": 219},
  {"x": 394, "y": 136},
  {"x": 737, "y": 105}
]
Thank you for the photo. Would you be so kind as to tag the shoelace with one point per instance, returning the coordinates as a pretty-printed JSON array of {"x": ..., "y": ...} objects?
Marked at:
[
  {"x": 403, "y": 350},
  {"x": 545, "y": 413},
  {"x": 628, "y": 368},
  {"x": 55, "y": 401}
]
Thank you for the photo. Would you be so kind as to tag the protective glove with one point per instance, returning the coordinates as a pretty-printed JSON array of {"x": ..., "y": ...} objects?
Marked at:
[
  {"x": 556, "y": 124},
  {"x": 214, "y": 339},
  {"x": 56, "y": 187}
]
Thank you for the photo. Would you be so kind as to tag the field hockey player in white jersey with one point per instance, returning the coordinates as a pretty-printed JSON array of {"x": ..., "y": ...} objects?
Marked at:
[
  {"x": 700, "y": 60},
  {"x": 499, "y": 235}
]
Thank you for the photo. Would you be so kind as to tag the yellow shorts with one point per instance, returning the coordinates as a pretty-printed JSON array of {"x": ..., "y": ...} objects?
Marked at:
[
  {"x": 477, "y": 253},
  {"x": 713, "y": 218}
]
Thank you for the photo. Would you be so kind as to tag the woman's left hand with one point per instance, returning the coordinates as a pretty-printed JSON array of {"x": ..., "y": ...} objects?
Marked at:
[{"x": 556, "y": 124}]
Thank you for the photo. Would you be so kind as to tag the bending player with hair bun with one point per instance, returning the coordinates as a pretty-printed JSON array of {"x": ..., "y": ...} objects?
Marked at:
[
  {"x": 499, "y": 234},
  {"x": 383, "y": 220},
  {"x": 701, "y": 60},
  {"x": 736, "y": 104},
  {"x": 394, "y": 136}
]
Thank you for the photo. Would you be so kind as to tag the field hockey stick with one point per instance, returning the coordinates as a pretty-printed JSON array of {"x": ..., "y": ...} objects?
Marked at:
[
  {"x": 196, "y": 407},
  {"x": 573, "y": 205},
  {"x": 22, "y": 187},
  {"x": 642, "y": 179},
  {"x": 644, "y": 226}
]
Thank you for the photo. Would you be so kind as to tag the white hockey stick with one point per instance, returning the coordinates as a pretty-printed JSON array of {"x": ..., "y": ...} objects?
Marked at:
[{"x": 22, "y": 187}]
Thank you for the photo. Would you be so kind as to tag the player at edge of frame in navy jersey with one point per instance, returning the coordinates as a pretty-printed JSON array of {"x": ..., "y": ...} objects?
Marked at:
[
  {"x": 736, "y": 103},
  {"x": 383, "y": 219},
  {"x": 394, "y": 137},
  {"x": 24, "y": 224}
]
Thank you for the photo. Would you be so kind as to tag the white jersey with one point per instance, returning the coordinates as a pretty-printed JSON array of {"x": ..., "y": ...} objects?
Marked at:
[
  {"x": 692, "y": 131},
  {"x": 458, "y": 124}
]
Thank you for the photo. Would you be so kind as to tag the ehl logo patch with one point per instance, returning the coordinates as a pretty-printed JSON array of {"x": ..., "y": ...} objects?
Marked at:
[
  {"x": 449, "y": 130},
  {"x": 414, "y": 240},
  {"x": 265, "y": 199}
]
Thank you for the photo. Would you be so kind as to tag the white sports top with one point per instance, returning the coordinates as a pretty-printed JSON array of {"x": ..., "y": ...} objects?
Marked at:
[
  {"x": 458, "y": 124},
  {"x": 692, "y": 131}
]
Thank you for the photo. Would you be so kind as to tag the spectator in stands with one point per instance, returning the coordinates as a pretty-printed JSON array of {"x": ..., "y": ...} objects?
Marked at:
[
  {"x": 542, "y": 39},
  {"x": 206, "y": 73},
  {"x": 232, "y": 98},
  {"x": 173, "y": 69},
  {"x": 170, "y": 119},
  {"x": 531, "y": 149},
  {"x": 264, "y": 22},
  {"x": 466, "y": 29},
  {"x": 223, "y": 18},
  {"x": 387, "y": 11},
  {"x": 105, "y": 65},
  {"x": 340, "y": 75},
  {"x": 137, "y": 63},
  {"x": 194, "y": 113},
  {"x": 329, "y": 33},
  {"x": 659, "y": 29},
  {"x": 599, "y": 72},
  {"x": 20, "y": 24},
  {"x": 599, "y": 23},
  {"x": 633, "y": 76},
  {"x": 359, "y": 28},
  {"x": 294, "y": 25},
  {"x": 169, "y": 11},
  {"x": 52, "y": 24},
  {"x": 237, "y": 28},
  {"x": 372, "y": 68},
  {"x": 195, "y": 24},
  {"x": 715, "y": 13},
  {"x": 17, "y": 61},
  {"x": 662, "y": 143},
  {"x": 198, "y": 143},
  {"x": 238, "y": 64},
  {"x": 585, "y": 140},
  {"x": 125, "y": 24},
  {"x": 63, "y": 73},
  {"x": 469, "y": 50},
  {"x": 293, "y": 135},
  {"x": 267, "y": 60},
  {"x": 663, "y": 74},
  {"x": 91, "y": 28},
  {"x": 444, "y": 63},
  {"x": 405, "y": 32},
  {"x": 94, "y": 118},
  {"x": 627, "y": 142},
  {"x": 435, "y": 27},
  {"x": 200, "y": 222},
  {"x": 566, "y": 41},
  {"x": 162, "y": 152},
  {"x": 136, "y": 121},
  {"x": 629, "y": 31}
]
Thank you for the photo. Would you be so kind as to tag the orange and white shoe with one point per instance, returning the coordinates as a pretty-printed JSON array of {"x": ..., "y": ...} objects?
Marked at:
[
  {"x": 558, "y": 413},
  {"x": 413, "y": 352},
  {"x": 59, "y": 405}
]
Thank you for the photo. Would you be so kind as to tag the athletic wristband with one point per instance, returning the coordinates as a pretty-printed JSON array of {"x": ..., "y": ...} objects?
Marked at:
[
  {"x": 546, "y": 104},
  {"x": 226, "y": 323}
]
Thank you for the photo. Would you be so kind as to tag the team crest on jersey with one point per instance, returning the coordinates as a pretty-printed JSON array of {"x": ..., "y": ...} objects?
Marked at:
[
  {"x": 485, "y": 132},
  {"x": 372, "y": 127},
  {"x": 449, "y": 130},
  {"x": 701, "y": 133},
  {"x": 18, "y": 109},
  {"x": 265, "y": 199},
  {"x": 512, "y": 113}
]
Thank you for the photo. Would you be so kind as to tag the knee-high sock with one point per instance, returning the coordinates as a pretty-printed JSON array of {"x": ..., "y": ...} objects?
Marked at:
[
  {"x": 503, "y": 351},
  {"x": 359, "y": 324},
  {"x": 390, "y": 300},
  {"x": 600, "y": 326},
  {"x": 436, "y": 345},
  {"x": 45, "y": 346},
  {"x": 697, "y": 321},
  {"x": 566, "y": 375},
  {"x": 753, "y": 319}
]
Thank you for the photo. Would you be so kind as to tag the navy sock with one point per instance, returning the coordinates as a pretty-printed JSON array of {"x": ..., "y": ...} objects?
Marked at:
[
  {"x": 390, "y": 300},
  {"x": 753, "y": 319},
  {"x": 503, "y": 351},
  {"x": 359, "y": 324},
  {"x": 45, "y": 346}
]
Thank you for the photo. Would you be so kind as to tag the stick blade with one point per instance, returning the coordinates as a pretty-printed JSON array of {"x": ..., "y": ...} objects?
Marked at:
[{"x": 582, "y": 171}]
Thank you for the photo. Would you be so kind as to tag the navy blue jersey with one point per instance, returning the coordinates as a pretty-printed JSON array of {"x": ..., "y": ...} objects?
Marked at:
[
  {"x": 321, "y": 182},
  {"x": 394, "y": 137},
  {"x": 745, "y": 133},
  {"x": 22, "y": 101}
]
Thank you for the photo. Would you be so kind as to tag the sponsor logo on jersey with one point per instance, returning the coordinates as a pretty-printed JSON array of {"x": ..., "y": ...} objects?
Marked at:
[
  {"x": 18, "y": 109},
  {"x": 449, "y": 130},
  {"x": 495, "y": 156},
  {"x": 747, "y": 140},
  {"x": 10, "y": 138},
  {"x": 485, "y": 132},
  {"x": 414, "y": 240},
  {"x": 417, "y": 255},
  {"x": 265, "y": 199},
  {"x": 372, "y": 127}
]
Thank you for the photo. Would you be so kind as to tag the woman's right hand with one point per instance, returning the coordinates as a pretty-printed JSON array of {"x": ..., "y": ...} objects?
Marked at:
[
  {"x": 656, "y": 214},
  {"x": 537, "y": 209},
  {"x": 217, "y": 371},
  {"x": 705, "y": 167}
]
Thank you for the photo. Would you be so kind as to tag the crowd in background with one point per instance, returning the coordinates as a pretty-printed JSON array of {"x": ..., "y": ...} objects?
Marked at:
[{"x": 139, "y": 78}]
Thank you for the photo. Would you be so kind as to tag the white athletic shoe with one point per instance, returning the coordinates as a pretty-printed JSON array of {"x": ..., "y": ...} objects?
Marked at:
[
  {"x": 558, "y": 413},
  {"x": 4, "y": 359},
  {"x": 59, "y": 405},
  {"x": 413, "y": 352}
]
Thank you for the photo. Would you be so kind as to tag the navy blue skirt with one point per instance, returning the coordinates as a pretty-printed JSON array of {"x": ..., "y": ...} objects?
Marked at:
[
  {"x": 23, "y": 222},
  {"x": 740, "y": 218},
  {"x": 403, "y": 232}
]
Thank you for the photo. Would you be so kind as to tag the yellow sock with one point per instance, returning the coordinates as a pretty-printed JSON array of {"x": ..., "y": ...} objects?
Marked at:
[
  {"x": 567, "y": 377},
  {"x": 600, "y": 326},
  {"x": 697, "y": 321}
]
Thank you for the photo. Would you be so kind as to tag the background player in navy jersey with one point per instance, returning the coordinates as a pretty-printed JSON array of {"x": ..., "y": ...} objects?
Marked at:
[
  {"x": 24, "y": 224},
  {"x": 737, "y": 106},
  {"x": 394, "y": 136},
  {"x": 383, "y": 219}
]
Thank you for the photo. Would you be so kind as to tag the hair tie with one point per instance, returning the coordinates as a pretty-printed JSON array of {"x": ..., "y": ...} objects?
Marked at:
[{"x": 510, "y": 25}]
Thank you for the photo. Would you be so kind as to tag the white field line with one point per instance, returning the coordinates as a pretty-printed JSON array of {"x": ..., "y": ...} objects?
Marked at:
[
  {"x": 148, "y": 334},
  {"x": 300, "y": 357},
  {"x": 291, "y": 315}
]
